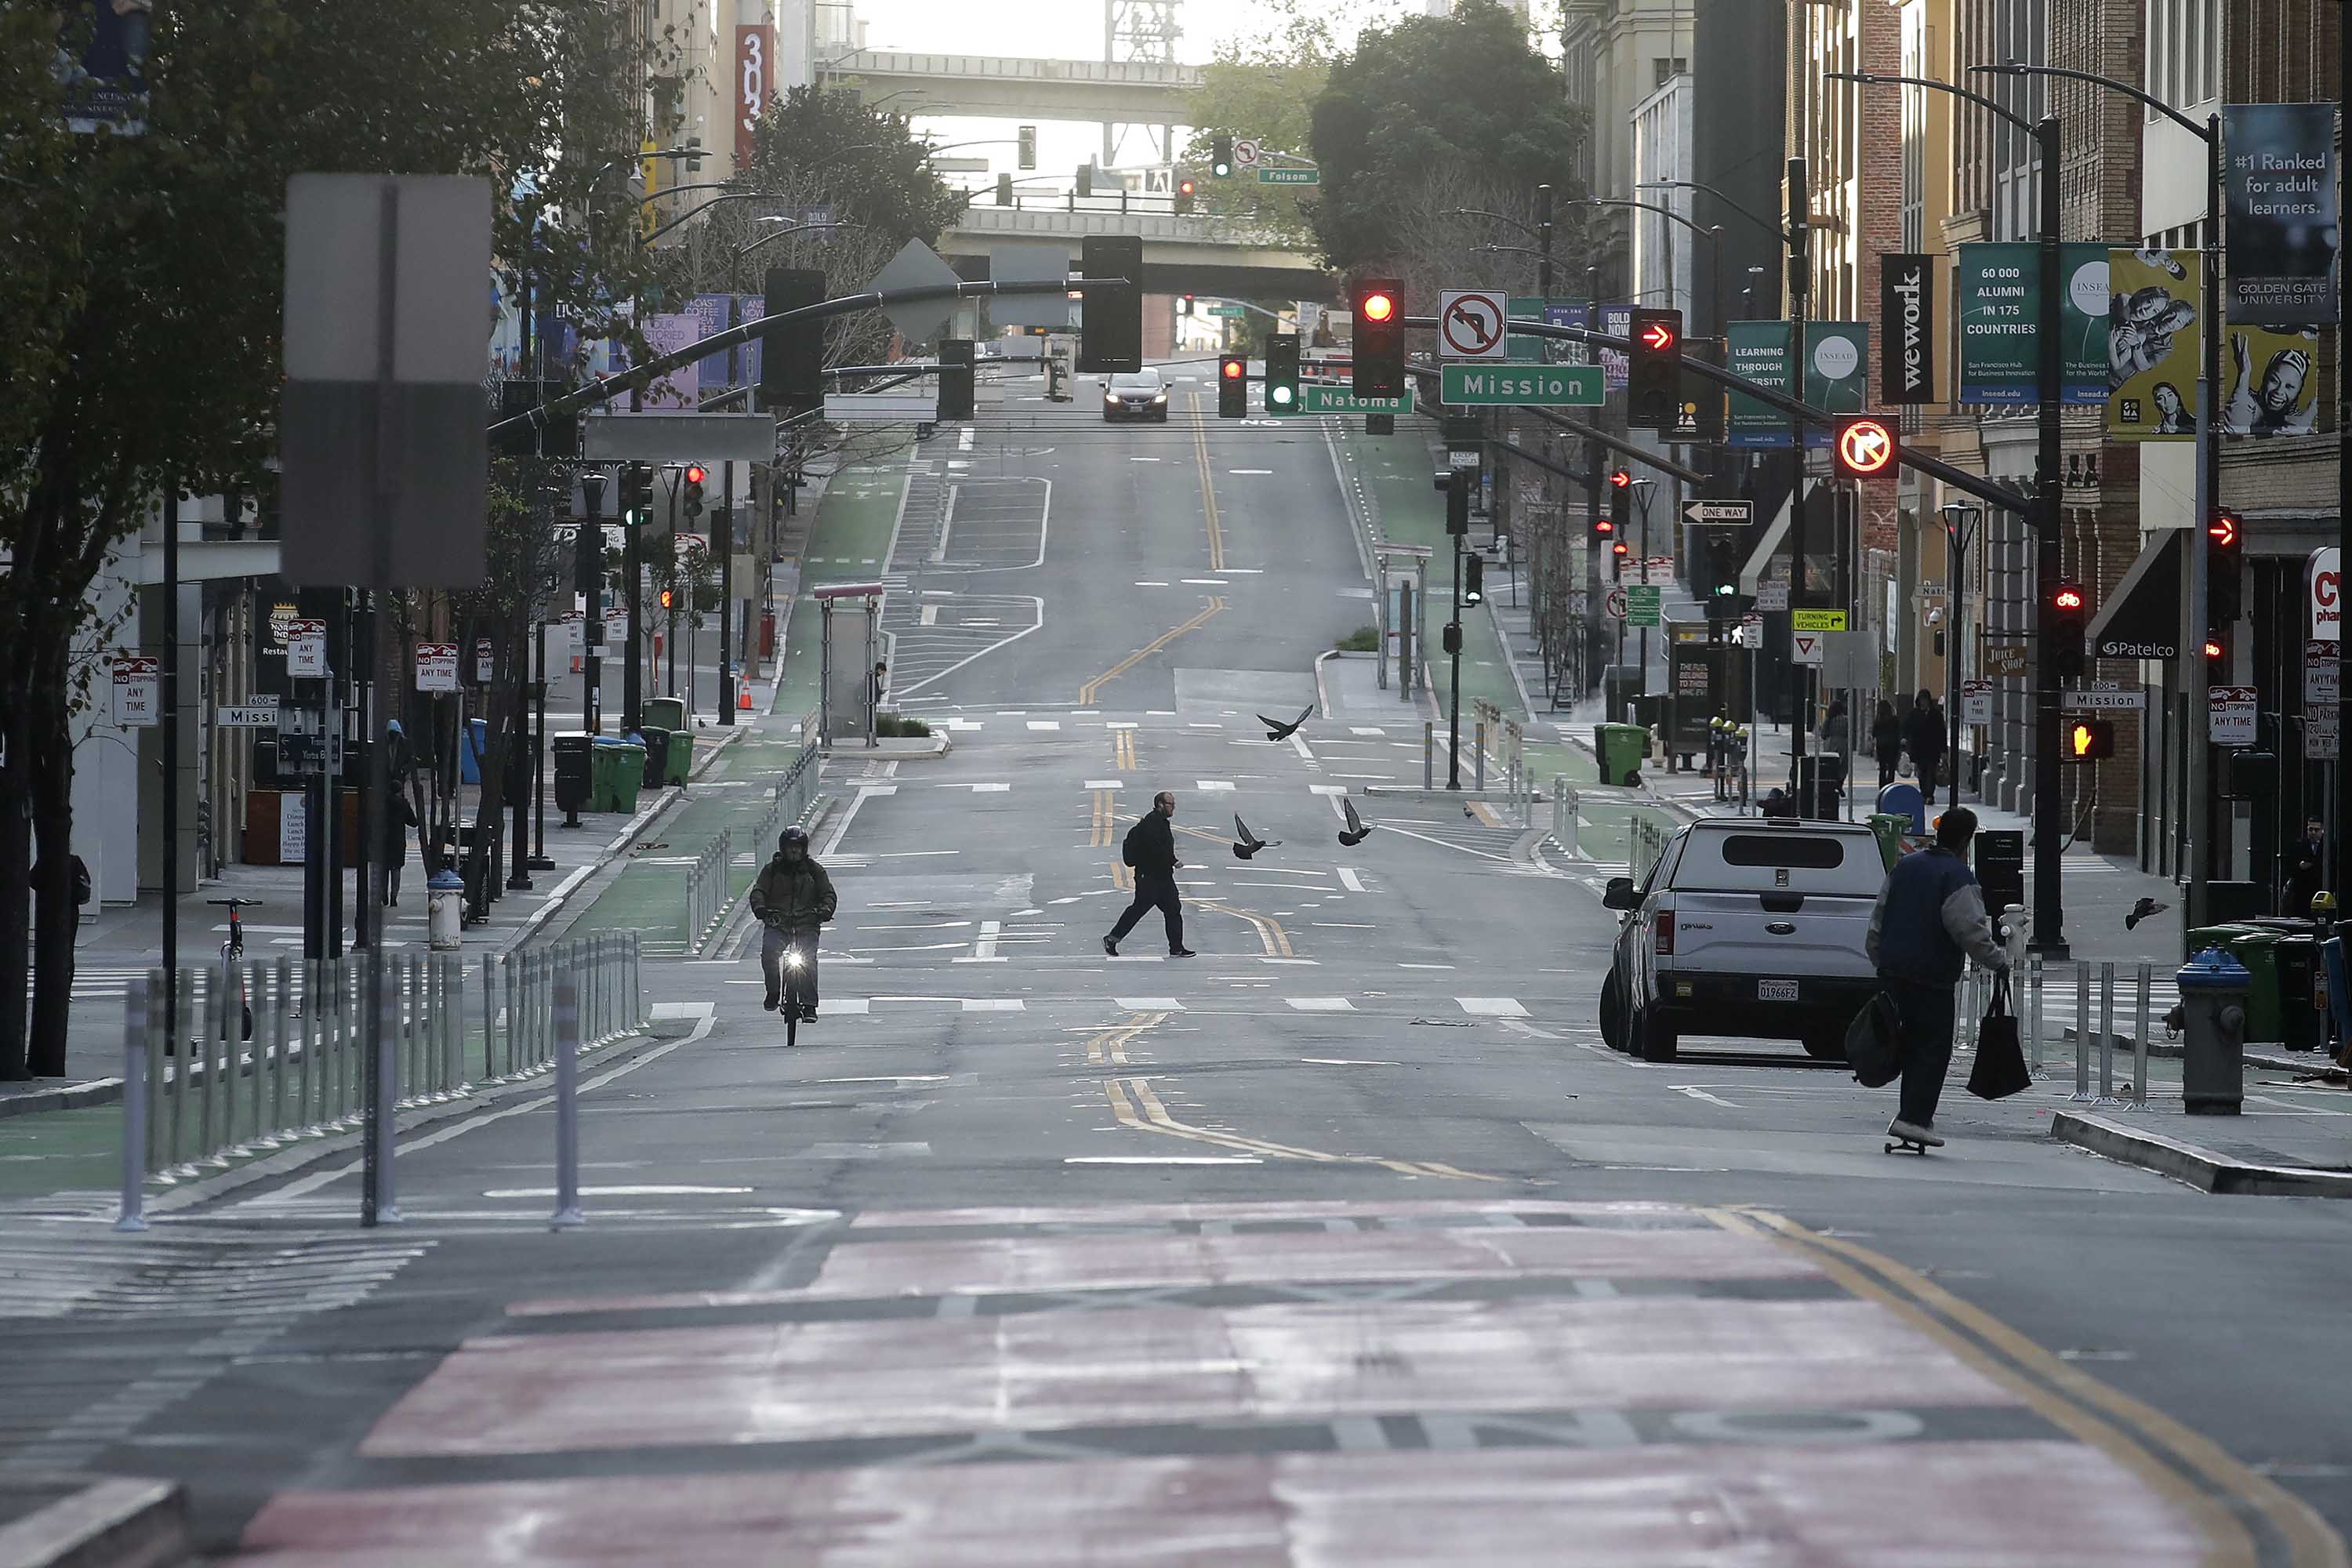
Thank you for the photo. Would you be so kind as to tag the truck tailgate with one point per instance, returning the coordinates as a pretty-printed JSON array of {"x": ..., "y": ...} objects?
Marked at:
[{"x": 1824, "y": 934}]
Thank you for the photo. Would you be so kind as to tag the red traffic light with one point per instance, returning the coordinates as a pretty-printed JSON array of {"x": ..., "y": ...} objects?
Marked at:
[
  {"x": 1620, "y": 478},
  {"x": 1185, "y": 186},
  {"x": 2067, "y": 597},
  {"x": 1618, "y": 548},
  {"x": 694, "y": 474},
  {"x": 2222, "y": 530},
  {"x": 1658, "y": 337},
  {"x": 1603, "y": 525},
  {"x": 1231, "y": 369},
  {"x": 1376, "y": 307}
]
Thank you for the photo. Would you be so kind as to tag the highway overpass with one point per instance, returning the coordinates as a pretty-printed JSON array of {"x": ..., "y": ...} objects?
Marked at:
[
  {"x": 1195, "y": 254},
  {"x": 1007, "y": 87}
]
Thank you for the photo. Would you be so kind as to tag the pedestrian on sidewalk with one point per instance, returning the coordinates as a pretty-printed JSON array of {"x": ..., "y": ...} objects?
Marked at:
[
  {"x": 2304, "y": 862},
  {"x": 1150, "y": 850},
  {"x": 1928, "y": 921},
  {"x": 791, "y": 898},
  {"x": 399, "y": 816},
  {"x": 1887, "y": 742},
  {"x": 1922, "y": 737}
]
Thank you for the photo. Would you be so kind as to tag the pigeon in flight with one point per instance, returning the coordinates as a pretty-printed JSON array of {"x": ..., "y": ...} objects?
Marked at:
[
  {"x": 1277, "y": 730},
  {"x": 1250, "y": 842},
  {"x": 2141, "y": 911},
  {"x": 1356, "y": 828}
]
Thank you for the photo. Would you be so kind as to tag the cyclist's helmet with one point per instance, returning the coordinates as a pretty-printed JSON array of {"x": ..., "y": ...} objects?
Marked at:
[{"x": 792, "y": 835}]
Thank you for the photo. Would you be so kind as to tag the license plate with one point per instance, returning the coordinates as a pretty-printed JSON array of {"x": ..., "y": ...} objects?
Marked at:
[{"x": 1776, "y": 991}]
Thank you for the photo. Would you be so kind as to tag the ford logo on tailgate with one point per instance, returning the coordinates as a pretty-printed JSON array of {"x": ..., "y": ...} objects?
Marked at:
[{"x": 1782, "y": 928}]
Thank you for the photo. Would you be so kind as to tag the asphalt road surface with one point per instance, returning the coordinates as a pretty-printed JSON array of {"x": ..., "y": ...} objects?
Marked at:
[{"x": 1345, "y": 1242}]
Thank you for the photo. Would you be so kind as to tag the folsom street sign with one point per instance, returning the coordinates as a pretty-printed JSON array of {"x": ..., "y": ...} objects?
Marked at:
[{"x": 1543, "y": 385}]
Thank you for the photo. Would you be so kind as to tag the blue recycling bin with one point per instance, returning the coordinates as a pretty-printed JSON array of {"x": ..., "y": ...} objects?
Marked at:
[
  {"x": 1903, "y": 800},
  {"x": 469, "y": 755}
]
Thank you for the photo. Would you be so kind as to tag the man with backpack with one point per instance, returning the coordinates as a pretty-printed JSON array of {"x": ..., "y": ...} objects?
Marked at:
[{"x": 1150, "y": 849}]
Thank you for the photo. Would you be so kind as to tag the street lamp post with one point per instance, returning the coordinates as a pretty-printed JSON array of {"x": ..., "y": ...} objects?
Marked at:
[
  {"x": 2048, "y": 816},
  {"x": 1959, "y": 519},
  {"x": 1712, "y": 234}
]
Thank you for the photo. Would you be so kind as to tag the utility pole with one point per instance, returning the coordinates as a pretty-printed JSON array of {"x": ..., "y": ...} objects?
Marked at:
[
  {"x": 1800, "y": 238},
  {"x": 1543, "y": 240},
  {"x": 1457, "y": 505},
  {"x": 727, "y": 603},
  {"x": 592, "y": 622},
  {"x": 2049, "y": 816},
  {"x": 171, "y": 703},
  {"x": 2339, "y": 821}
]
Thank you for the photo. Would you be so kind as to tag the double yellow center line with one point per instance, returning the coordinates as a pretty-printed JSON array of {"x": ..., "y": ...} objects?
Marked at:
[
  {"x": 1208, "y": 487},
  {"x": 1091, "y": 692},
  {"x": 1135, "y": 1105},
  {"x": 1122, "y": 749}
]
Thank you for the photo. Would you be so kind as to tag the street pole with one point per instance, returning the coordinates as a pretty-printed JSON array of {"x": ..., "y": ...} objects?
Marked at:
[
  {"x": 170, "y": 705},
  {"x": 2048, "y": 816},
  {"x": 633, "y": 677},
  {"x": 539, "y": 861},
  {"x": 1956, "y": 533},
  {"x": 1453, "y": 708},
  {"x": 1543, "y": 240},
  {"x": 2197, "y": 809},
  {"x": 592, "y": 622},
  {"x": 2339, "y": 821},
  {"x": 1800, "y": 239},
  {"x": 1593, "y": 569},
  {"x": 726, "y": 606}
]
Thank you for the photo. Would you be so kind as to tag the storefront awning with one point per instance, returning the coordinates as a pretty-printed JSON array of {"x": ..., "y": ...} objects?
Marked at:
[{"x": 2141, "y": 619}]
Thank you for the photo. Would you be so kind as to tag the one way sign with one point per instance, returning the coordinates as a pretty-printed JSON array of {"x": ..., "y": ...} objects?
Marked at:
[{"x": 1806, "y": 646}]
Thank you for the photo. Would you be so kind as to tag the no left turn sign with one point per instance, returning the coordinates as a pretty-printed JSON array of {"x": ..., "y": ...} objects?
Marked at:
[
  {"x": 1616, "y": 603},
  {"x": 1245, "y": 153},
  {"x": 1470, "y": 324}
]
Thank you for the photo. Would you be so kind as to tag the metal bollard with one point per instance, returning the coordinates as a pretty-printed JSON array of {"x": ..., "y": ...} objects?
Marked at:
[
  {"x": 128, "y": 1217},
  {"x": 2106, "y": 1035},
  {"x": 2082, "y": 1095},
  {"x": 1478, "y": 754},
  {"x": 1428, "y": 754},
  {"x": 2139, "y": 1042},
  {"x": 567, "y": 1214},
  {"x": 386, "y": 1066}
]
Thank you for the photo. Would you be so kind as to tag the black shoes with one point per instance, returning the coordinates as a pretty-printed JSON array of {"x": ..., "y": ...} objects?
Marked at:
[
  {"x": 769, "y": 1004},
  {"x": 1182, "y": 952},
  {"x": 808, "y": 1013},
  {"x": 1110, "y": 947}
]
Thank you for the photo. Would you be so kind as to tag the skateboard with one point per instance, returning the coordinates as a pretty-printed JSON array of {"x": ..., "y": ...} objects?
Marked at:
[{"x": 1901, "y": 1145}]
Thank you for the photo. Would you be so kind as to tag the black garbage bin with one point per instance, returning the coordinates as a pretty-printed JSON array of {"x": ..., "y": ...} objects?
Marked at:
[
  {"x": 2297, "y": 956},
  {"x": 657, "y": 754},
  {"x": 574, "y": 766},
  {"x": 1820, "y": 778}
]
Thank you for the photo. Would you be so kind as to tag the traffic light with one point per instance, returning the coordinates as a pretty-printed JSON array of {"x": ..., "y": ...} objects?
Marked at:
[
  {"x": 1457, "y": 503},
  {"x": 1653, "y": 375},
  {"x": 691, "y": 500},
  {"x": 1086, "y": 179},
  {"x": 1027, "y": 137},
  {"x": 1620, "y": 503},
  {"x": 1110, "y": 340},
  {"x": 588, "y": 557},
  {"x": 955, "y": 399},
  {"x": 1721, "y": 582},
  {"x": 1184, "y": 304},
  {"x": 1005, "y": 190},
  {"x": 2225, "y": 569},
  {"x": 666, "y": 602},
  {"x": 1864, "y": 446},
  {"x": 1282, "y": 373},
  {"x": 1233, "y": 387},
  {"x": 1221, "y": 155},
  {"x": 636, "y": 497},
  {"x": 791, "y": 356},
  {"x": 1378, "y": 351},
  {"x": 2070, "y": 609},
  {"x": 2090, "y": 740},
  {"x": 1183, "y": 198},
  {"x": 1474, "y": 580}
]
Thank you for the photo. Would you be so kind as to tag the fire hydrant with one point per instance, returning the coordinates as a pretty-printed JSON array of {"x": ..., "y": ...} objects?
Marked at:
[
  {"x": 2214, "y": 987},
  {"x": 445, "y": 906}
]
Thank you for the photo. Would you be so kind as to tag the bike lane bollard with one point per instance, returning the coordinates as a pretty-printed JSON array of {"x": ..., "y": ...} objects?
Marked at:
[
  {"x": 567, "y": 1214},
  {"x": 2082, "y": 1095},
  {"x": 135, "y": 1057},
  {"x": 385, "y": 1069},
  {"x": 2139, "y": 1041}
]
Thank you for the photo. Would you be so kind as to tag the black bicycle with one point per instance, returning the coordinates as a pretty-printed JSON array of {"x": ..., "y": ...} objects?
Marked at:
[
  {"x": 231, "y": 952},
  {"x": 798, "y": 958}
]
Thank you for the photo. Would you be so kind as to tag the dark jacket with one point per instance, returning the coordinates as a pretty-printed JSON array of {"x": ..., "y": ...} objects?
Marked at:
[
  {"x": 792, "y": 898},
  {"x": 1886, "y": 737},
  {"x": 1923, "y": 734},
  {"x": 1150, "y": 846},
  {"x": 1930, "y": 917},
  {"x": 399, "y": 816}
]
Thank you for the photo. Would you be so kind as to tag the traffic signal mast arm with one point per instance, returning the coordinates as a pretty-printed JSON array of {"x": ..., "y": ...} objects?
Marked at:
[
  {"x": 653, "y": 370},
  {"x": 1960, "y": 479}
]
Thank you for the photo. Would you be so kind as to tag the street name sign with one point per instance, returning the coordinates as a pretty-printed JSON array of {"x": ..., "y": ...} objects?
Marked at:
[
  {"x": 1718, "y": 511},
  {"x": 1268, "y": 174},
  {"x": 1643, "y": 605},
  {"x": 1340, "y": 400},
  {"x": 2135, "y": 700},
  {"x": 1541, "y": 385},
  {"x": 261, "y": 713},
  {"x": 2231, "y": 715},
  {"x": 1817, "y": 620},
  {"x": 1234, "y": 310}
]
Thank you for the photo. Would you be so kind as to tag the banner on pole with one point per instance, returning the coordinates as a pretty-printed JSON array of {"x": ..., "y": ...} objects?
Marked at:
[
  {"x": 2152, "y": 343},
  {"x": 2279, "y": 179},
  {"x": 1906, "y": 315},
  {"x": 1998, "y": 290},
  {"x": 2273, "y": 381},
  {"x": 1837, "y": 377}
]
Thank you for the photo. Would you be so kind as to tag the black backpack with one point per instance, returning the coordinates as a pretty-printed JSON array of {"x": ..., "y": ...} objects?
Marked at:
[{"x": 1126, "y": 846}]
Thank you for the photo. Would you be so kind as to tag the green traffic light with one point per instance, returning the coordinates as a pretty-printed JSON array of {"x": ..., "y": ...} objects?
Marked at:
[{"x": 1282, "y": 394}]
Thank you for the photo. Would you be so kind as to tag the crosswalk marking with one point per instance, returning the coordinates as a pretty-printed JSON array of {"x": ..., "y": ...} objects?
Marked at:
[
  {"x": 1149, "y": 1003},
  {"x": 1105, "y": 784},
  {"x": 1045, "y": 724},
  {"x": 1491, "y": 1006},
  {"x": 994, "y": 1005},
  {"x": 1213, "y": 787},
  {"x": 1366, "y": 729},
  {"x": 1320, "y": 1004}
]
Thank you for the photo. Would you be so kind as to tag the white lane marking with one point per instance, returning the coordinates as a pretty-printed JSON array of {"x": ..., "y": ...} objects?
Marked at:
[
  {"x": 983, "y": 946},
  {"x": 1120, "y": 724},
  {"x": 930, "y": 616},
  {"x": 1516, "y": 1027},
  {"x": 1143, "y": 459},
  {"x": 848, "y": 816},
  {"x": 1697, "y": 1093},
  {"x": 1351, "y": 880},
  {"x": 1328, "y": 789},
  {"x": 1491, "y": 1006},
  {"x": 1424, "y": 966},
  {"x": 1045, "y": 724},
  {"x": 1163, "y": 1159},
  {"x": 1306, "y": 961},
  {"x": 982, "y": 788},
  {"x": 1249, "y": 471},
  {"x": 961, "y": 725},
  {"x": 1345, "y": 925},
  {"x": 1105, "y": 784},
  {"x": 1211, "y": 786},
  {"x": 898, "y": 1077},
  {"x": 1298, "y": 744},
  {"x": 963, "y": 437},
  {"x": 1152, "y": 584},
  {"x": 631, "y": 1192},
  {"x": 1204, "y": 581},
  {"x": 849, "y": 1005},
  {"x": 1147, "y": 1003},
  {"x": 1320, "y": 1004},
  {"x": 1366, "y": 729},
  {"x": 994, "y": 1005},
  {"x": 1345, "y": 1062}
]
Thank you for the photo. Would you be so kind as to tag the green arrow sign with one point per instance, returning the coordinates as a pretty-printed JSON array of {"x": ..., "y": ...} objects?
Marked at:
[
  {"x": 1557, "y": 386},
  {"x": 1340, "y": 400},
  {"x": 1290, "y": 177}
]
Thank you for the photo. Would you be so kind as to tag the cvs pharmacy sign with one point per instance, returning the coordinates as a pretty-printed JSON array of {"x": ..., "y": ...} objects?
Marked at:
[{"x": 2323, "y": 578}]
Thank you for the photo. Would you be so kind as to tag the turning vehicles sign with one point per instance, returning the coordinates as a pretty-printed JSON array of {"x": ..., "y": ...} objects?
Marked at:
[{"x": 1470, "y": 323}]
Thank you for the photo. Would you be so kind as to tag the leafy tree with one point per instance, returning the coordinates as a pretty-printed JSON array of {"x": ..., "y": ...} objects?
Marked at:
[
  {"x": 1263, "y": 87},
  {"x": 142, "y": 356},
  {"x": 1414, "y": 106}
]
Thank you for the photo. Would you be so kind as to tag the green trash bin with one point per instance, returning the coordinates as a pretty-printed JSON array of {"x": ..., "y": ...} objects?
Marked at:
[
  {"x": 1890, "y": 827},
  {"x": 681, "y": 756},
  {"x": 2200, "y": 938},
  {"x": 620, "y": 770},
  {"x": 667, "y": 712},
  {"x": 1621, "y": 749},
  {"x": 2258, "y": 951}
]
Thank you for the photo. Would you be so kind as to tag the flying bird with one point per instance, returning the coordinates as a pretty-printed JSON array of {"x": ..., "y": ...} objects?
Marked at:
[
  {"x": 1356, "y": 828},
  {"x": 1277, "y": 730},
  {"x": 1250, "y": 842},
  {"x": 2142, "y": 909}
]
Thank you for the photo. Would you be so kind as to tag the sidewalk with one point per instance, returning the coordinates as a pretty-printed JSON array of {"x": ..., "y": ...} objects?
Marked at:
[{"x": 127, "y": 941}]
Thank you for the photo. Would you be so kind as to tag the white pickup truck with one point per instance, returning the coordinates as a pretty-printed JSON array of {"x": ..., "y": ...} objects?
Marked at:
[{"x": 1749, "y": 928}]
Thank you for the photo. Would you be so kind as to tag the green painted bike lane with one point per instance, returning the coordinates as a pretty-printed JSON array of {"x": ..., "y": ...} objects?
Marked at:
[{"x": 848, "y": 542}]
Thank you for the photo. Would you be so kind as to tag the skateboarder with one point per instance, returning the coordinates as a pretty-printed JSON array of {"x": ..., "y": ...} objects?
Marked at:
[{"x": 1928, "y": 921}]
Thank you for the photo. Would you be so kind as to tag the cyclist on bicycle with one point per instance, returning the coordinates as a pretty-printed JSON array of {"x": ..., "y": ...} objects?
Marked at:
[{"x": 792, "y": 896}]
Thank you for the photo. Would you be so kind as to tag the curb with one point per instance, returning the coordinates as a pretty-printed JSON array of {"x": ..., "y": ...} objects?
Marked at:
[
  {"x": 2204, "y": 1169},
  {"x": 107, "y": 1522},
  {"x": 66, "y": 1096}
]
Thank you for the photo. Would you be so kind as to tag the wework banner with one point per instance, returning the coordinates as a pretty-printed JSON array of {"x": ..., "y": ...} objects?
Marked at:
[
  {"x": 2280, "y": 181},
  {"x": 1906, "y": 324}
]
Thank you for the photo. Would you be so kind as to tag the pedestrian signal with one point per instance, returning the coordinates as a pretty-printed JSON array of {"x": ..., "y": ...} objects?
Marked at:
[{"x": 2090, "y": 740}]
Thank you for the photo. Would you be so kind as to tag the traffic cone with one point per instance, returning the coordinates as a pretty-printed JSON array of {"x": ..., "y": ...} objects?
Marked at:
[{"x": 743, "y": 698}]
